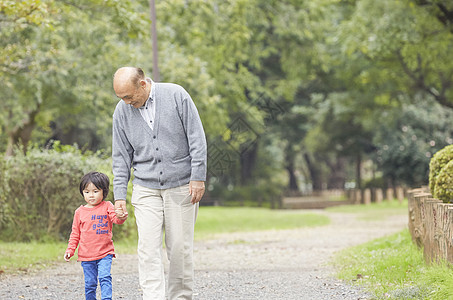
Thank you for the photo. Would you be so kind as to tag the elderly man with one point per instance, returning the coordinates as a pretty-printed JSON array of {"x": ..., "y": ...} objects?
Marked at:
[{"x": 157, "y": 131}]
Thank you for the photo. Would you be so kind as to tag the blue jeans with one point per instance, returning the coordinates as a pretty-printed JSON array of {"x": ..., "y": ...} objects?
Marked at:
[{"x": 91, "y": 269}]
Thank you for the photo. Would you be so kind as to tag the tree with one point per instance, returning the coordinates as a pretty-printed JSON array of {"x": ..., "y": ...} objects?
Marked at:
[
  {"x": 407, "y": 142},
  {"x": 57, "y": 56},
  {"x": 413, "y": 40}
]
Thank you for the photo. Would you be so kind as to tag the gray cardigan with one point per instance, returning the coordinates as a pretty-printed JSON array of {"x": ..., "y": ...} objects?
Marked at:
[{"x": 170, "y": 155}]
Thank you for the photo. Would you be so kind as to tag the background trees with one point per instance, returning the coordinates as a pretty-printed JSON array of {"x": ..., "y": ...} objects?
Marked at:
[{"x": 294, "y": 95}]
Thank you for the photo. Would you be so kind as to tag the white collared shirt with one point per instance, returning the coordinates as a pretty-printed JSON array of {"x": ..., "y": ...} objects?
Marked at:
[{"x": 148, "y": 110}]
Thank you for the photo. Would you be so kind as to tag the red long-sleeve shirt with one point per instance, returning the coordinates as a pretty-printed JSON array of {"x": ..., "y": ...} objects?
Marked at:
[{"x": 92, "y": 232}]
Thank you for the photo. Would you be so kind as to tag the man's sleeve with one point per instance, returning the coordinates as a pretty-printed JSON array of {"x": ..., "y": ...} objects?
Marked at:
[
  {"x": 196, "y": 138},
  {"x": 122, "y": 153}
]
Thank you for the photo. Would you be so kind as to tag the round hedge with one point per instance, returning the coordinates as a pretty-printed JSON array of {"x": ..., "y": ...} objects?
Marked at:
[
  {"x": 443, "y": 189},
  {"x": 437, "y": 162}
]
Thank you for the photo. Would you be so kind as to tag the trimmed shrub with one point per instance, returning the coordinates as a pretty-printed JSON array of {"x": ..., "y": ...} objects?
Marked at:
[
  {"x": 443, "y": 190},
  {"x": 437, "y": 162},
  {"x": 39, "y": 193}
]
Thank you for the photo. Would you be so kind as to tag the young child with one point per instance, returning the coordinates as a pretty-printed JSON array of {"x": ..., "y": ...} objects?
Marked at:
[{"x": 92, "y": 232}]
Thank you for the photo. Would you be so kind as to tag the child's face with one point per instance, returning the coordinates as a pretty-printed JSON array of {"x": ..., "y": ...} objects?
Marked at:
[{"x": 92, "y": 195}]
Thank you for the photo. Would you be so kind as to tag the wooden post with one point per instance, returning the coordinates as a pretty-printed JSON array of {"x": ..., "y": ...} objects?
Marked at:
[
  {"x": 411, "y": 204},
  {"x": 367, "y": 196},
  {"x": 444, "y": 235},
  {"x": 358, "y": 196},
  {"x": 400, "y": 194},
  {"x": 379, "y": 195},
  {"x": 431, "y": 229},
  {"x": 416, "y": 214},
  {"x": 389, "y": 194}
]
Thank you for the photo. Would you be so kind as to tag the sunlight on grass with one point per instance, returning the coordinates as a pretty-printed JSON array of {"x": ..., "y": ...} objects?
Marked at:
[
  {"x": 212, "y": 220},
  {"x": 22, "y": 256},
  {"x": 373, "y": 211},
  {"x": 126, "y": 246},
  {"x": 393, "y": 268}
]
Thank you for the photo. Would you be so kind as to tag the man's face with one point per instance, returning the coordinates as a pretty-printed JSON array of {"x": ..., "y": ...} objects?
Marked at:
[{"x": 132, "y": 95}]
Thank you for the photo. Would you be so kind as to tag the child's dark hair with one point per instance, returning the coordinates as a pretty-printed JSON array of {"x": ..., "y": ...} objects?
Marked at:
[{"x": 100, "y": 180}]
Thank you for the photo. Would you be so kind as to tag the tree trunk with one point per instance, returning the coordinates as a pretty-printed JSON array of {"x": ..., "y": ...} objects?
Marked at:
[
  {"x": 290, "y": 167},
  {"x": 248, "y": 162},
  {"x": 358, "y": 172},
  {"x": 337, "y": 176},
  {"x": 358, "y": 176},
  {"x": 315, "y": 173},
  {"x": 156, "y": 72},
  {"x": 21, "y": 134}
]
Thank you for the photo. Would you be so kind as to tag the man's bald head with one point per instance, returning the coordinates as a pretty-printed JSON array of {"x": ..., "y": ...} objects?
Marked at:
[
  {"x": 128, "y": 75},
  {"x": 129, "y": 84}
]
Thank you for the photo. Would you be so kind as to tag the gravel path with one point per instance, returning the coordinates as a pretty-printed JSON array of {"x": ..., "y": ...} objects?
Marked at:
[{"x": 287, "y": 264}]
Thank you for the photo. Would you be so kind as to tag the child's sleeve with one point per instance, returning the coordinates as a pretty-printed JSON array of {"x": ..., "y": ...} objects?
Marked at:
[
  {"x": 74, "y": 238},
  {"x": 112, "y": 214}
]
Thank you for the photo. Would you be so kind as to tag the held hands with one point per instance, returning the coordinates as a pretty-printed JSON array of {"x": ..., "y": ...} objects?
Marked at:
[
  {"x": 196, "y": 189},
  {"x": 120, "y": 209}
]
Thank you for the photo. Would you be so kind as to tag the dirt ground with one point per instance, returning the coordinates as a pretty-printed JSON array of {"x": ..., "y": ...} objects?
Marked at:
[{"x": 284, "y": 264}]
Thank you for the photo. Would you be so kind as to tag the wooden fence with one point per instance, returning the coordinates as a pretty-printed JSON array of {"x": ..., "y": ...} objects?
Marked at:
[
  {"x": 367, "y": 196},
  {"x": 431, "y": 225}
]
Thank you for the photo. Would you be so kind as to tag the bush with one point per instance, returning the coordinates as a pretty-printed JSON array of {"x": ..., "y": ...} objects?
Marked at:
[
  {"x": 443, "y": 190},
  {"x": 376, "y": 183},
  {"x": 258, "y": 195},
  {"x": 437, "y": 162},
  {"x": 39, "y": 192}
]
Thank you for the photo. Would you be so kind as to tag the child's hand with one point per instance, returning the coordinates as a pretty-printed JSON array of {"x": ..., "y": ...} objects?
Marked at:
[
  {"x": 121, "y": 210},
  {"x": 67, "y": 256}
]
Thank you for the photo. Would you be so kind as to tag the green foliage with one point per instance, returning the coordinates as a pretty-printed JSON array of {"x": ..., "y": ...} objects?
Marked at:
[
  {"x": 443, "y": 189},
  {"x": 328, "y": 81},
  {"x": 56, "y": 63},
  {"x": 407, "y": 138},
  {"x": 375, "y": 183},
  {"x": 39, "y": 193},
  {"x": 439, "y": 160}
]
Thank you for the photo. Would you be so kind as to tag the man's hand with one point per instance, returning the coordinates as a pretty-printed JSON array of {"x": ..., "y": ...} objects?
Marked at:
[
  {"x": 196, "y": 189},
  {"x": 120, "y": 209}
]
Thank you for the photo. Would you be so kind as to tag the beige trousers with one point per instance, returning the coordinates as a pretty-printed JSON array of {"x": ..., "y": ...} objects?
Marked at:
[{"x": 172, "y": 211}]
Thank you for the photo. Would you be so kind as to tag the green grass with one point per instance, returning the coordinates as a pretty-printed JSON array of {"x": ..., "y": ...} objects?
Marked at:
[
  {"x": 16, "y": 257},
  {"x": 214, "y": 220},
  {"x": 374, "y": 211},
  {"x": 393, "y": 268}
]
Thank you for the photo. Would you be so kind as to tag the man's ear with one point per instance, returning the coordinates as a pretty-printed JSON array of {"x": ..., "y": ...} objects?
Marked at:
[{"x": 143, "y": 83}]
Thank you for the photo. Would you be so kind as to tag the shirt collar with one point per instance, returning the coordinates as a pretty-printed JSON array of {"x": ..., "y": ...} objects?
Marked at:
[{"x": 152, "y": 93}]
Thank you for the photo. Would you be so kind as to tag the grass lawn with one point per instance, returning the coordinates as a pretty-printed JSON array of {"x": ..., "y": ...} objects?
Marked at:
[
  {"x": 392, "y": 267},
  {"x": 374, "y": 211},
  {"x": 24, "y": 256},
  {"x": 16, "y": 257},
  {"x": 214, "y": 220}
]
